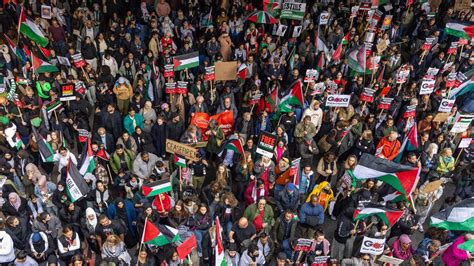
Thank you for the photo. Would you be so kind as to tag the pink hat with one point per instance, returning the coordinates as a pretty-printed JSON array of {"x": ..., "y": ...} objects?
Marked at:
[{"x": 405, "y": 239}]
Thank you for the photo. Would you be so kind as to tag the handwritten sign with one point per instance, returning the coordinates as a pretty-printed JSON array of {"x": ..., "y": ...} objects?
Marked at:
[{"x": 181, "y": 149}]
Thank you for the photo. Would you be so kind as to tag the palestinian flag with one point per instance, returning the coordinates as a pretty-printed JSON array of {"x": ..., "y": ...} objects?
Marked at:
[
  {"x": 336, "y": 56},
  {"x": 235, "y": 145},
  {"x": 31, "y": 30},
  {"x": 103, "y": 154},
  {"x": 242, "y": 71},
  {"x": 158, "y": 235},
  {"x": 272, "y": 98},
  {"x": 469, "y": 31},
  {"x": 295, "y": 98},
  {"x": 156, "y": 188},
  {"x": 179, "y": 161},
  {"x": 401, "y": 177},
  {"x": 387, "y": 215},
  {"x": 466, "y": 87},
  {"x": 321, "y": 62},
  {"x": 358, "y": 59},
  {"x": 377, "y": 3},
  {"x": 41, "y": 66},
  {"x": 76, "y": 186},
  {"x": 219, "y": 248},
  {"x": 346, "y": 38},
  {"x": 467, "y": 246},
  {"x": 46, "y": 53},
  {"x": 410, "y": 143},
  {"x": 53, "y": 106},
  {"x": 186, "y": 61},
  {"x": 44, "y": 147},
  {"x": 21, "y": 81},
  {"x": 12, "y": 46},
  {"x": 459, "y": 217},
  {"x": 187, "y": 247},
  {"x": 87, "y": 162},
  {"x": 18, "y": 142},
  {"x": 457, "y": 29}
]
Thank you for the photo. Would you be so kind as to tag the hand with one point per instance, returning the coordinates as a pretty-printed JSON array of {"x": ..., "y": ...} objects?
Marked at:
[
  {"x": 264, "y": 225},
  {"x": 318, "y": 252},
  {"x": 353, "y": 231},
  {"x": 329, "y": 171},
  {"x": 231, "y": 240}
]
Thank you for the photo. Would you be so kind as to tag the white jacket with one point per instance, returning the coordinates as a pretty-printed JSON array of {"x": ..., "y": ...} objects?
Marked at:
[{"x": 7, "y": 251}]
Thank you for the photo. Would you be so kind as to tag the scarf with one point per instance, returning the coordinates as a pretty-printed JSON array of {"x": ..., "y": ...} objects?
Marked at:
[
  {"x": 18, "y": 200},
  {"x": 92, "y": 223}
]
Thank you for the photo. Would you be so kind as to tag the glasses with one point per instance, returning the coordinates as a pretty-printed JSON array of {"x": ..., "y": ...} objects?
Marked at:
[{"x": 365, "y": 259}]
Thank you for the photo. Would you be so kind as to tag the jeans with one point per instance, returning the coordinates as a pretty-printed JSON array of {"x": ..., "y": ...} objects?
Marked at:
[{"x": 199, "y": 234}]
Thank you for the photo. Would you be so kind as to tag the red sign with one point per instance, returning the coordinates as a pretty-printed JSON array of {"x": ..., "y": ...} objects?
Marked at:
[{"x": 168, "y": 71}]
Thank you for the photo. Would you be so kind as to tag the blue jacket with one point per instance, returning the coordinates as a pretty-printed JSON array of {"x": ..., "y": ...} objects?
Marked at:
[{"x": 308, "y": 211}]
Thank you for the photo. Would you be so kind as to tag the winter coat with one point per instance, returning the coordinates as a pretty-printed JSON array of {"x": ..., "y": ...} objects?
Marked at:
[
  {"x": 287, "y": 201},
  {"x": 144, "y": 169},
  {"x": 316, "y": 116},
  {"x": 115, "y": 160},
  {"x": 129, "y": 121},
  {"x": 301, "y": 128},
  {"x": 279, "y": 229},
  {"x": 7, "y": 251},
  {"x": 454, "y": 256},
  {"x": 311, "y": 215}
]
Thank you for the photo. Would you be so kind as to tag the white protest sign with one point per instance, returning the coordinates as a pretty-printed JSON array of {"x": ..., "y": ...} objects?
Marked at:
[
  {"x": 446, "y": 105},
  {"x": 461, "y": 125},
  {"x": 324, "y": 18},
  {"x": 335, "y": 100},
  {"x": 373, "y": 246},
  {"x": 427, "y": 86},
  {"x": 465, "y": 142}
]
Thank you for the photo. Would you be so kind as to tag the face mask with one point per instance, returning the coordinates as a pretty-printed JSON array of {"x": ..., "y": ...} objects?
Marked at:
[{"x": 60, "y": 189}]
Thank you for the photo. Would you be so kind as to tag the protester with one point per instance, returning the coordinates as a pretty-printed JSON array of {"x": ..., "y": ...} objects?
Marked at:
[{"x": 178, "y": 132}]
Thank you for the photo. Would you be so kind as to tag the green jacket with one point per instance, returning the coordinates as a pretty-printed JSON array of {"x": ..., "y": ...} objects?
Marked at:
[
  {"x": 115, "y": 160},
  {"x": 252, "y": 211},
  {"x": 214, "y": 142}
]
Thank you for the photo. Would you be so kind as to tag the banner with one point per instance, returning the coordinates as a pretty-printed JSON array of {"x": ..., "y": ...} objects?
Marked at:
[
  {"x": 324, "y": 18},
  {"x": 373, "y": 246},
  {"x": 446, "y": 105},
  {"x": 427, "y": 86},
  {"x": 224, "y": 119},
  {"x": 266, "y": 144},
  {"x": 338, "y": 100},
  {"x": 293, "y": 10},
  {"x": 67, "y": 92}
]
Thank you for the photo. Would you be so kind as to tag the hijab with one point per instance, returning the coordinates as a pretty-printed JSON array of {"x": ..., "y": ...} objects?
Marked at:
[
  {"x": 93, "y": 222},
  {"x": 36, "y": 172},
  {"x": 18, "y": 200}
]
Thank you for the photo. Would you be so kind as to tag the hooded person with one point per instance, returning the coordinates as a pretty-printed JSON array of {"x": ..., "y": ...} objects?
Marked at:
[
  {"x": 41, "y": 248},
  {"x": 88, "y": 225},
  {"x": 124, "y": 211},
  {"x": 315, "y": 113},
  {"x": 324, "y": 193},
  {"x": 402, "y": 248},
  {"x": 123, "y": 91},
  {"x": 288, "y": 198}
]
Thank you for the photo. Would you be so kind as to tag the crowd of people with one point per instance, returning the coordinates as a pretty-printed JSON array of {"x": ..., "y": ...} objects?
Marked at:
[{"x": 347, "y": 95}]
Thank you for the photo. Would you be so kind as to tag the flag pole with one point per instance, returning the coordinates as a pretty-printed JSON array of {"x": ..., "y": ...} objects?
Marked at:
[
  {"x": 143, "y": 237},
  {"x": 180, "y": 180}
]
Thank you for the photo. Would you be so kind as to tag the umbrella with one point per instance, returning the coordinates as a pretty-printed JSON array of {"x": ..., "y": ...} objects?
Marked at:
[
  {"x": 467, "y": 246},
  {"x": 262, "y": 17}
]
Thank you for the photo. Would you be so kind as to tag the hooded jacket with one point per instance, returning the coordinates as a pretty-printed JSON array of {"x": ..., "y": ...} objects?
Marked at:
[{"x": 7, "y": 250}]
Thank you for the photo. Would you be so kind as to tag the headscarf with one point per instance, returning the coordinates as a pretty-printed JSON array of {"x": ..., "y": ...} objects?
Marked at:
[
  {"x": 93, "y": 222},
  {"x": 42, "y": 184},
  {"x": 18, "y": 200}
]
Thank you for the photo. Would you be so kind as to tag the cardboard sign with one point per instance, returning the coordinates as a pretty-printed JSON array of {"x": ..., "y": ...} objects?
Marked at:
[
  {"x": 446, "y": 105},
  {"x": 367, "y": 95},
  {"x": 303, "y": 244},
  {"x": 266, "y": 144},
  {"x": 210, "y": 73},
  {"x": 78, "y": 61},
  {"x": 373, "y": 246},
  {"x": 226, "y": 70},
  {"x": 391, "y": 260},
  {"x": 465, "y": 142},
  {"x": 324, "y": 18},
  {"x": 461, "y": 5},
  {"x": 181, "y": 149},
  {"x": 168, "y": 71},
  {"x": 441, "y": 117},
  {"x": 385, "y": 104},
  {"x": 46, "y": 12},
  {"x": 461, "y": 125},
  {"x": 410, "y": 112},
  {"x": 67, "y": 92},
  {"x": 293, "y": 10},
  {"x": 311, "y": 75},
  {"x": 338, "y": 100},
  {"x": 427, "y": 86},
  {"x": 432, "y": 186}
]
